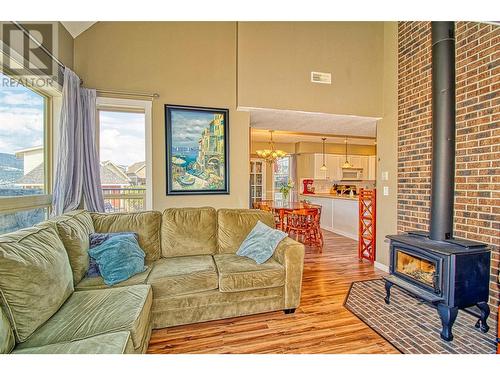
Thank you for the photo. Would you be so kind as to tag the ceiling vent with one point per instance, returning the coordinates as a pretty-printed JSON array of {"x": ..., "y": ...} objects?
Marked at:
[{"x": 319, "y": 77}]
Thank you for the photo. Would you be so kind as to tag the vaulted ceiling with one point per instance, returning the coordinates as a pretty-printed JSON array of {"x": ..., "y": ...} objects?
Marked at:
[{"x": 75, "y": 28}]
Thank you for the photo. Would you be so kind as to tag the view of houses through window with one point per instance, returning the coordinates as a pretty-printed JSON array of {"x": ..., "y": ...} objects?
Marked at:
[
  {"x": 22, "y": 153},
  {"x": 281, "y": 176},
  {"x": 122, "y": 151}
]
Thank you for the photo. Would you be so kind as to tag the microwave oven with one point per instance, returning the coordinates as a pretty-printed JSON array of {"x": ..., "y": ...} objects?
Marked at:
[{"x": 352, "y": 174}]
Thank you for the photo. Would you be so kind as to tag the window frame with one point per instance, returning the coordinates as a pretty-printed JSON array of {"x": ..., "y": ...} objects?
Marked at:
[
  {"x": 275, "y": 189},
  {"x": 105, "y": 103},
  {"x": 12, "y": 204}
]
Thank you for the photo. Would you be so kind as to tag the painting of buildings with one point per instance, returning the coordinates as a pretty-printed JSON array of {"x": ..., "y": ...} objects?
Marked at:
[{"x": 196, "y": 140}]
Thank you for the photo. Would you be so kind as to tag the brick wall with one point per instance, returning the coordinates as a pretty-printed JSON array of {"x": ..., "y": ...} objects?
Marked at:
[{"x": 477, "y": 176}]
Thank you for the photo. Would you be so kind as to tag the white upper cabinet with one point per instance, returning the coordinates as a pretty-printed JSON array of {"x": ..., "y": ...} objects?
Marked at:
[
  {"x": 334, "y": 164},
  {"x": 372, "y": 167},
  {"x": 309, "y": 166},
  {"x": 318, "y": 163}
]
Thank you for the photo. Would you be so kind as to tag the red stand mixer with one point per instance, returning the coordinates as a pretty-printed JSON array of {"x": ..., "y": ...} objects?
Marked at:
[{"x": 308, "y": 186}]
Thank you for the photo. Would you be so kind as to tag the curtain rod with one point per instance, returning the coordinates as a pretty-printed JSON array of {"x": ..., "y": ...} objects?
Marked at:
[{"x": 129, "y": 93}]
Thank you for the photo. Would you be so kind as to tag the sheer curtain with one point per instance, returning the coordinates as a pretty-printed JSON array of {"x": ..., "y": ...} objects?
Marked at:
[
  {"x": 77, "y": 167},
  {"x": 92, "y": 192}
]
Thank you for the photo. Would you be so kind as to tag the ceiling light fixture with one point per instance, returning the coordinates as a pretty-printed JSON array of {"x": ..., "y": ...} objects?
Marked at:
[
  {"x": 346, "y": 163},
  {"x": 323, "y": 167},
  {"x": 271, "y": 154}
]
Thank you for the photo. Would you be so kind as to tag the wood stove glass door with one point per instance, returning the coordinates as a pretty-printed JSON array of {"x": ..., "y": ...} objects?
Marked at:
[{"x": 417, "y": 269}]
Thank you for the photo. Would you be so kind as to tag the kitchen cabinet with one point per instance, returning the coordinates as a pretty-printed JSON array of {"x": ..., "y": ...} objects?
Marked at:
[
  {"x": 318, "y": 163},
  {"x": 334, "y": 164},
  {"x": 372, "y": 167},
  {"x": 338, "y": 214},
  {"x": 355, "y": 161},
  {"x": 309, "y": 166}
]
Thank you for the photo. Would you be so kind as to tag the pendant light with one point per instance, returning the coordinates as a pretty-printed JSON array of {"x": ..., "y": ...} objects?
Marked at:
[
  {"x": 271, "y": 154},
  {"x": 346, "y": 163},
  {"x": 323, "y": 167}
]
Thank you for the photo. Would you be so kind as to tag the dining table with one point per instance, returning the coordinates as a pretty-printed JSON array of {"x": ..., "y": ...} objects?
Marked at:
[{"x": 281, "y": 207}]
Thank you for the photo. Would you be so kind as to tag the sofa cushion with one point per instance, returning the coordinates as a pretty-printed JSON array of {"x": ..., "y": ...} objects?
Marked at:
[
  {"x": 36, "y": 277},
  {"x": 93, "y": 312},
  {"x": 261, "y": 243},
  {"x": 7, "y": 340},
  {"x": 238, "y": 273},
  {"x": 109, "y": 343},
  {"x": 74, "y": 230},
  {"x": 89, "y": 283},
  {"x": 183, "y": 275},
  {"x": 234, "y": 225},
  {"x": 146, "y": 224},
  {"x": 119, "y": 258},
  {"x": 97, "y": 239},
  {"x": 189, "y": 231}
]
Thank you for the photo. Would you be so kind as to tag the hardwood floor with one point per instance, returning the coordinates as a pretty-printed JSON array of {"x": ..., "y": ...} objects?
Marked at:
[{"x": 320, "y": 325}]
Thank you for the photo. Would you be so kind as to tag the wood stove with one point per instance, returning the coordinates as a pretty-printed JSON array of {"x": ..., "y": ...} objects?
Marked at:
[{"x": 450, "y": 274}]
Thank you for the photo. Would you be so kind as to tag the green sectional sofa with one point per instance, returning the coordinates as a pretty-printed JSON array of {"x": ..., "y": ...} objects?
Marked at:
[{"x": 48, "y": 305}]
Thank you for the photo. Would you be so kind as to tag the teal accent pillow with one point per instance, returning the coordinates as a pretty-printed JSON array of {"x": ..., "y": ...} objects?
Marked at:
[
  {"x": 261, "y": 243},
  {"x": 119, "y": 258}
]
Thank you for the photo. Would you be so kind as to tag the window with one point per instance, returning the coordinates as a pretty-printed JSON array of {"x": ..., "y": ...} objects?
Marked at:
[
  {"x": 281, "y": 176},
  {"x": 24, "y": 165},
  {"x": 123, "y": 152}
]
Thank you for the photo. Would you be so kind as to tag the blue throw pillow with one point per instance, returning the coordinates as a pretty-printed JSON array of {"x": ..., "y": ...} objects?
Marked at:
[
  {"x": 96, "y": 239},
  {"x": 119, "y": 258},
  {"x": 261, "y": 243}
]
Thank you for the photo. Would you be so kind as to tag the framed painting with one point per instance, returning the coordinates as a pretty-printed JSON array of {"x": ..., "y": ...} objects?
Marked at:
[{"x": 197, "y": 152}]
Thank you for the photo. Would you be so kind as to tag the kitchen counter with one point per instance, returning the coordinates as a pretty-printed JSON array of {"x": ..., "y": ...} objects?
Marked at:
[{"x": 339, "y": 214}]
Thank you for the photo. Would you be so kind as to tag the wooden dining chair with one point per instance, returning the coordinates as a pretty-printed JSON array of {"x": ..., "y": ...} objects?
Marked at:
[
  {"x": 304, "y": 224},
  {"x": 264, "y": 206},
  {"x": 315, "y": 234}
]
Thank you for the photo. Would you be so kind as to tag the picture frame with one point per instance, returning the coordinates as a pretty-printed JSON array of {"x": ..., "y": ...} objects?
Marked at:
[{"x": 197, "y": 150}]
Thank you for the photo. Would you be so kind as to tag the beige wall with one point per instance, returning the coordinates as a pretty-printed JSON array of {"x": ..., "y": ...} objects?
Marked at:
[
  {"x": 275, "y": 60},
  {"x": 188, "y": 63},
  {"x": 313, "y": 147},
  {"x": 65, "y": 48},
  {"x": 194, "y": 63},
  {"x": 387, "y": 142},
  {"x": 334, "y": 148},
  {"x": 287, "y": 147}
]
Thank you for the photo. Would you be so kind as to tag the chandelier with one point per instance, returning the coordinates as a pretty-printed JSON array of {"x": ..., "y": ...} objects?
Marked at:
[{"x": 271, "y": 154}]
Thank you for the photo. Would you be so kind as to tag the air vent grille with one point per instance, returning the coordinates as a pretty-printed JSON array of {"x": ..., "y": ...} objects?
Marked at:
[{"x": 320, "y": 77}]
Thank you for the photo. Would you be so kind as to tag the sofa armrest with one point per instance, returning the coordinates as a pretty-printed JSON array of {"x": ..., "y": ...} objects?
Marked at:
[{"x": 290, "y": 254}]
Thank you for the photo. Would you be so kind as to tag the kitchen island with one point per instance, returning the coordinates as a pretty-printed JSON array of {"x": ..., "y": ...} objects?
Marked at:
[{"x": 339, "y": 214}]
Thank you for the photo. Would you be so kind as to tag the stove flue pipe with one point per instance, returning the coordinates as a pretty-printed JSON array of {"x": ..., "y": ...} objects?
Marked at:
[{"x": 443, "y": 130}]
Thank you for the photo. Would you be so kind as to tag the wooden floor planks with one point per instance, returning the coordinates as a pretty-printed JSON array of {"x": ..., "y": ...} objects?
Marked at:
[{"x": 320, "y": 325}]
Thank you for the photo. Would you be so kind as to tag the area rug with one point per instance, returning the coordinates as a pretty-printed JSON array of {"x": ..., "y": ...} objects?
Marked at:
[{"x": 412, "y": 326}]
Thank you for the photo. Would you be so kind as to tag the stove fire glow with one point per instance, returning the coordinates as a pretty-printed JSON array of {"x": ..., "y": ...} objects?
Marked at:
[{"x": 419, "y": 269}]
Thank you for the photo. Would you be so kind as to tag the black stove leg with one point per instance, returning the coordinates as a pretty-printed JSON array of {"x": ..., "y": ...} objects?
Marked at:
[
  {"x": 388, "y": 286},
  {"x": 448, "y": 315},
  {"x": 485, "y": 312}
]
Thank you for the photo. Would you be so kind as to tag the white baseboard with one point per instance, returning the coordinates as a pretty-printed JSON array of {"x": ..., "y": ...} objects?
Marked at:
[
  {"x": 342, "y": 233},
  {"x": 345, "y": 234},
  {"x": 381, "y": 267}
]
